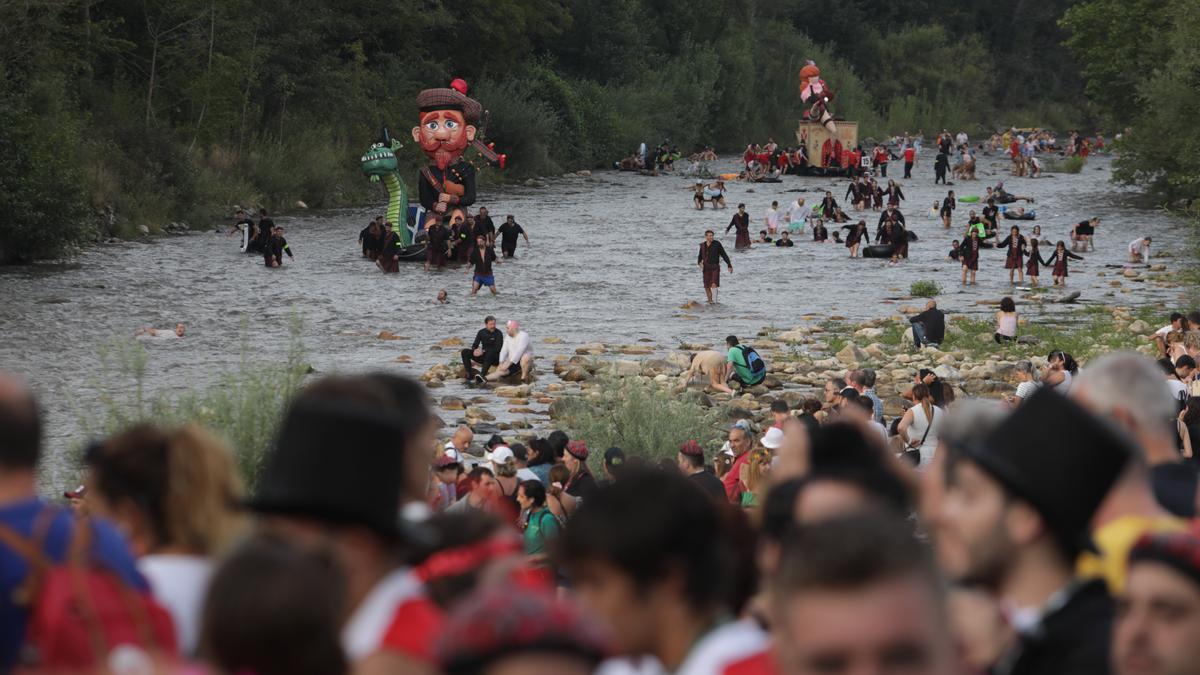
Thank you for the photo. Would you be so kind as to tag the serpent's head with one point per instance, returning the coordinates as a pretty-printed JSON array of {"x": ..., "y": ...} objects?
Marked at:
[{"x": 379, "y": 160}]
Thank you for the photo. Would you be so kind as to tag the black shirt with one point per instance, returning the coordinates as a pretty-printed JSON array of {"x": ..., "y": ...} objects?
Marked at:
[
  {"x": 1175, "y": 487},
  {"x": 934, "y": 321},
  {"x": 509, "y": 232},
  {"x": 488, "y": 340},
  {"x": 784, "y": 242},
  {"x": 483, "y": 262},
  {"x": 583, "y": 485},
  {"x": 712, "y": 486},
  {"x": 461, "y": 173},
  {"x": 712, "y": 254},
  {"x": 484, "y": 226}
]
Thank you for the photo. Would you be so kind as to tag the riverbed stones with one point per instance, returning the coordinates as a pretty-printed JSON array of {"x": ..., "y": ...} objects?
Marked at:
[
  {"x": 450, "y": 342},
  {"x": 1139, "y": 327},
  {"x": 850, "y": 354},
  {"x": 591, "y": 348},
  {"x": 509, "y": 391},
  {"x": 575, "y": 374},
  {"x": 476, "y": 414},
  {"x": 453, "y": 403},
  {"x": 947, "y": 372}
]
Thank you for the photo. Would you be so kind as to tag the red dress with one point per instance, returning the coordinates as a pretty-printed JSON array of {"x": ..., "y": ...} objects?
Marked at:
[{"x": 1035, "y": 261}]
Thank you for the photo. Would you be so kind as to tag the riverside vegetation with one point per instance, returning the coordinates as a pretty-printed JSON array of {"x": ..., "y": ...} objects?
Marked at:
[{"x": 118, "y": 117}]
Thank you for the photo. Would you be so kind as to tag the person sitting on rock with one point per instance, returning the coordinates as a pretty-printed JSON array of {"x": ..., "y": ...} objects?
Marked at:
[{"x": 516, "y": 353}]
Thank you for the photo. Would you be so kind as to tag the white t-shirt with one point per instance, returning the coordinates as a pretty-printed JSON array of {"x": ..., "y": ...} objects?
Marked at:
[
  {"x": 1164, "y": 330},
  {"x": 711, "y": 654},
  {"x": 799, "y": 213},
  {"x": 961, "y": 137},
  {"x": 1137, "y": 246},
  {"x": 179, "y": 583},
  {"x": 1178, "y": 389},
  {"x": 772, "y": 219},
  {"x": 515, "y": 347},
  {"x": 1026, "y": 389},
  {"x": 453, "y": 452}
]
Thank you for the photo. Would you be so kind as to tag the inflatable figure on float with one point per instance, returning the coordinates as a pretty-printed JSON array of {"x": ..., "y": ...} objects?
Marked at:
[
  {"x": 450, "y": 122},
  {"x": 816, "y": 94}
]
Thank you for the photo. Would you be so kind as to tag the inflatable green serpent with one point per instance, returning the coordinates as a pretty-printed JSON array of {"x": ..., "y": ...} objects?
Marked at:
[{"x": 379, "y": 163}]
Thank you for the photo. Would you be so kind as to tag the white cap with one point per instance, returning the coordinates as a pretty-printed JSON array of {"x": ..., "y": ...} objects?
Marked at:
[
  {"x": 501, "y": 454},
  {"x": 727, "y": 449},
  {"x": 773, "y": 438}
]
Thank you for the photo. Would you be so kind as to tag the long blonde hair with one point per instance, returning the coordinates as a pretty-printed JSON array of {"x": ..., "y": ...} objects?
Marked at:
[
  {"x": 184, "y": 481},
  {"x": 922, "y": 395}
]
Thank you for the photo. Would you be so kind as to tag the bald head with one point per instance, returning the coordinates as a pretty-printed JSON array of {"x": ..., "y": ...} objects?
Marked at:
[
  {"x": 462, "y": 437},
  {"x": 20, "y": 425}
]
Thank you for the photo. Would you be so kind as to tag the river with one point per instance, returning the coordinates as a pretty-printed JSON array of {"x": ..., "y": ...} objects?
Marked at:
[{"x": 612, "y": 259}]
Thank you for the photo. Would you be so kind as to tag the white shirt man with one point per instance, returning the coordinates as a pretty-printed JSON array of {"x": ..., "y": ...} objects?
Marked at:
[
  {"x": 773, "y": 219},
  {"x": 1139, "y": 249},
  {"x": 799, "y": 212},
  {"x": 961, "y": 138},
  {"x": 515, "y": 353}
]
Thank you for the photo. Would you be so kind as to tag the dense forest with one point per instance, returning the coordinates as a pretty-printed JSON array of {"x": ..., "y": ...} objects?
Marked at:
[{"x": 119, "y": 114}]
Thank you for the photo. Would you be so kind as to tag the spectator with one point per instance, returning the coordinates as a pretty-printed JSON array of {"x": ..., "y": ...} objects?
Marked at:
[
  {"x": 1158, "y": 626},
  {"x": 173, "y": 493},
  {"x": 581, "y": 484},
  {"x": 863, "y": 382},
  {"x": 1006, "y": 321},
  {"x": 740, "y": 443},
  {"x": 1027, "y": 382},
  {"x": 20, "y": 508},
  {"x": 691, "y": 463},
  {"x": 540, "y": 524},
  {"x": 929, "y": 327}
]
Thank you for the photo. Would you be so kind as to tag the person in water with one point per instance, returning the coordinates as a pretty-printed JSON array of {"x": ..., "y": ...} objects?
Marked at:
[
  {"x": 740, "y": 223},
  {"x": 1059, "y": 260},
  {"x": 176, "y": 332},
  {"x": 763, "y": 238},
  {"x": 1082, "y": 234},
  {"x": 947, "y": 209},
  {"x": 785, "y": 239},
  {"x": 968, "y": 254},
  {"x": 266, "y": 230},
  {"x": 276, "y": 247},
  {"x": 1035, "y": 262},
  {"x": 460, "y": 238},
  {"x": 820, "y": 232},
  {"x": 509, "y": 231},
  {"x": 1016, "y": 245},
  {"x": 481, "y": 258},
  {"x": 857, "y": 235},
  {"x": 371, "y": 238},
  {"x": 954, "y": 253},
  {"x": 443, "y": 298},
  {"x": 484, "y": 225},
  {"x": 244, "y": 225},
  {"x": 709, "y": 261},
  {"x": 438, "y": 238},
  {"x": 389, "y": 250},
  {"x": 1139, "y": 250}
]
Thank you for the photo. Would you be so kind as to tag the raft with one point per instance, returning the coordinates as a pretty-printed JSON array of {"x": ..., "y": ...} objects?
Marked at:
[
  {"x": 969, "y": 199},
  {"x": 727, "y": 176}
]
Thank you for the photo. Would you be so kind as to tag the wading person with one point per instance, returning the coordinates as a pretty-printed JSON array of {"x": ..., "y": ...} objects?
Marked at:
[
  {"x": 709, "y": 261},
  {"x": 1014, "y": 261},
  {"x": 275, "y": 248},
  {"x": 740, "y": 223},
  {"x": 509, "y": 231},
  {"x": 389, "y": 250},
  {"x": 481, "y": 259}
]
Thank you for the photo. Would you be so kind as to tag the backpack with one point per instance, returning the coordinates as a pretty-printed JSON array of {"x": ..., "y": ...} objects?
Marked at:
[
  {"x": 753, "y": 361},
  {"x": 80, "y": 614}
]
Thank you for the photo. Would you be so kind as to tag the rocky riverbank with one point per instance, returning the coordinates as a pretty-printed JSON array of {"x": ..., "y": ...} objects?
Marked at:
[{"x": 800, "y": 360}]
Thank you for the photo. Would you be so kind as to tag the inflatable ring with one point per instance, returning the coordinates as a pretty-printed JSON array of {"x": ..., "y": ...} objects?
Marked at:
[
  {"x": 969, "y": 199},
  {"x": 877, "y": 251},
  {"x": 727, "y": 176}
]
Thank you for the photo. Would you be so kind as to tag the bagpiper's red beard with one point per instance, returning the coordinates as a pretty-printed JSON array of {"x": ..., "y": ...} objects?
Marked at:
[{"x": 444, "y": 153}]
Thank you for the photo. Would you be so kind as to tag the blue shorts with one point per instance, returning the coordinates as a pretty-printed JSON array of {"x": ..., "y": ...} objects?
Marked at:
[{"x": 484, "y": 280}]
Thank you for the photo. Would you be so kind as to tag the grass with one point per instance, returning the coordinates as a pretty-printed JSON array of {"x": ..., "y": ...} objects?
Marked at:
[
  {"x": 1073, "y": 164},
  {"x": 642, "y": 418},
  {"x": 245, "y": 406},
  {"x": 924, "y": 288}
]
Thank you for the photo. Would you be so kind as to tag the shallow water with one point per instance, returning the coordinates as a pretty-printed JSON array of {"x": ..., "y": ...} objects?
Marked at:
[{"x": 612, "y": 259}]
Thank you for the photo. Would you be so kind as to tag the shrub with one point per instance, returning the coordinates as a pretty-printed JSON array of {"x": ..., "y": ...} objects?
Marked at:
[
  {"x": 245, "y": 406},
  {"x": 1066, "y": 165},
  {"x": 641, "y": 418},
  {"x": 924, "y": 288}
]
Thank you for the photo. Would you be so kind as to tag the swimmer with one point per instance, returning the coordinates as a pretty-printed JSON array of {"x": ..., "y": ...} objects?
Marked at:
[
  {"x": 763, "y": 238},
  {"x": 176, "y": 332},
  {"x": 443, "y": 298},
  {"x": 785, "y": 239},
  {"x": 820, "y": 233},
  {"x": 1139, "y": 250},
  {"x": 276, "y": 246},
  {"x": 698, "y": 197}
]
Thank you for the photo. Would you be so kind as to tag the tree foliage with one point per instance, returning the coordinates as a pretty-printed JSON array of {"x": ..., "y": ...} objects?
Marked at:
[{"x": 176, "y": 109}]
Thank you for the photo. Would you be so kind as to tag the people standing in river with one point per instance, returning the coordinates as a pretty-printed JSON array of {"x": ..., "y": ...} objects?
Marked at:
[
  {"x": 1082, "y": 234},
  {"x": 910, "y": 157},
  {"x": 1059, "y": 260},
  {"x": 437, "y": 240},
  {"x": 876, "y": 194},
  {"x": 266, "y": 230},
  {"x": 856, "y": 235},
  {"x": 481, "y": 259},
  {"x": 1032, "y": 267},
  {"x": 461, "y": 238},
  {"x": 371, "y": 238},
  {"x": 829, "y": 206},
  {"x": 485, "y": 226},
  {"x": 509, "y": 231},
  {"x": 1016, "y": 245},
  {"x": 785, "y": 239},
  {"x": 772, "y": 219},
  {"x": 740, "y": 223},
  {"x": 389, "y": 251},
  {"x": 853, "y": 194},
  {"x": 249, "y": 231},
  {"x": 947, "y": 210},
  {"x": 894, "y": 194},
  {"x": 709, "y": 261},
  {"x": 990, "y": 213},
  {"x": 940, "y": 164},
  {"x": 1139, "y": 250},
  {"x": 968, "y": 254},
  {"x": 275, "y": 248},
  {"x": 820, "y": 232}
]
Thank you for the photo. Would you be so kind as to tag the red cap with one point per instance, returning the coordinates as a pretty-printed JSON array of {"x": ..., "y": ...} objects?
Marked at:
[{"x": 578, "y": 449}]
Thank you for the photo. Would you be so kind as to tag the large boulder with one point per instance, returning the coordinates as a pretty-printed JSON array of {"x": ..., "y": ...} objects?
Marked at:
[
  {"x": 947, "y": 372},
  {"x": 592, "y": 348},
  {"x": 575, "y": 374},
  {"x": 851, "y": 354},
  {"x": 626, "y": 368},
  {"x": 453, "y": 403},
  {"x": 1139, "y": 327}
]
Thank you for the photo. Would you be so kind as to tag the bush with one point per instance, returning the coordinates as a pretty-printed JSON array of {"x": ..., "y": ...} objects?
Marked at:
[
  {"x": 245, "y": 406},
  {"x": 1066, "y": 165},
  {"x": 924, "y": 288},
  {"x": 641, "y": 418}
]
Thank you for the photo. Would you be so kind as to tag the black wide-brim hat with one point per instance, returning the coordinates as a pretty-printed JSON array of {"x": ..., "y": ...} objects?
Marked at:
[
  {"x": 1058, "y": 457},
  {"x": 337, "y": 462}
]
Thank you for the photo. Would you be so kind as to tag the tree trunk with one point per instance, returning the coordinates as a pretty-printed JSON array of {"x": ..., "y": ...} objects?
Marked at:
[{"x": 150, "y": 89}]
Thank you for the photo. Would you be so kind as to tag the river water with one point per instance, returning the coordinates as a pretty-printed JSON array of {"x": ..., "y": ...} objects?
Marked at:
[{"x": 612, "y": 259}]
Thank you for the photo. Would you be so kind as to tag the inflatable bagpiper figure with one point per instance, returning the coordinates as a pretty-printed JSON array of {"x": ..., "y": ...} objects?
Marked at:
[{"x": 816, "y": 94}]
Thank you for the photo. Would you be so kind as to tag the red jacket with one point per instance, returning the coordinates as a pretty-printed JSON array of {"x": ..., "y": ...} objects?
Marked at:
[{"x": 910, "y": 154}]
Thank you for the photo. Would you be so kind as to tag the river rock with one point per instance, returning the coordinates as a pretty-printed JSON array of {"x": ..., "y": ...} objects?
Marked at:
[
  {"x": 1028, "y": 340},
  {"x": 476, "y": 413},
  {"x": 574, "y": 374},
  {"x": 450, "y": 342},
  {"x": 552, "y": 341},
  {"x": 947, "y": 372},
  {"x": 300, "y": 204},
  {"x": 592, "y": 348},
  {"x": 453, "y": 403},
  {"x": 626, "y": 368},
  {"x": 403, "y": 358},
  {"x": 389, "y": 335},
  {"x": 1131, "y": 274},
  {"x": 868, "y": 333},
  {"x": 143, "y": 229},
  {"x": 679, "y": 360},
  {"x": 512, "y": 391},
  {"x": 636, "y": 350},
  {"x": 1139, "y": 327},
  {"x": 876, "y": 351},
  {"x": 584, "y": 173},
  {"x": 851, "y": 354}
]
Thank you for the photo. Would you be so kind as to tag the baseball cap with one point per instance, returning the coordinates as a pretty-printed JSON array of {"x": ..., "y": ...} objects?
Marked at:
[{"x": 501, "y": 455}]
